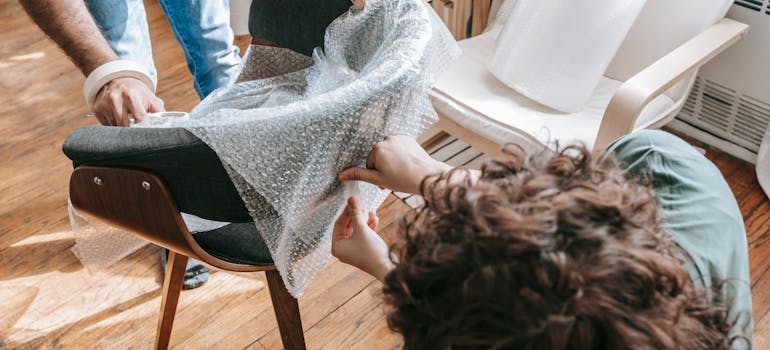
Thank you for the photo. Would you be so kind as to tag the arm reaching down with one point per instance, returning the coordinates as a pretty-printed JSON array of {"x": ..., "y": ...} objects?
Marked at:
[{"x": 71, "y": 26}]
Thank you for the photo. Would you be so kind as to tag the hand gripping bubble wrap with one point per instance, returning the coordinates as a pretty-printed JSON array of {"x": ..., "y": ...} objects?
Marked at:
[{"x": 284, "y": 138}]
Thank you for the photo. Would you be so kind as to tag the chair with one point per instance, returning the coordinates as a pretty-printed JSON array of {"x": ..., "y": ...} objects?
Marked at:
[
  {"x": 140, "y": 180},
  {"x": 140, "y": 202},
  {"x": 645, "y": 86}
]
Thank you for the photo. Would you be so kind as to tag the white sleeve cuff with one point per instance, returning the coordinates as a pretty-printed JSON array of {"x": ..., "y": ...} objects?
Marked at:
[{"x": 110, "y": 71}]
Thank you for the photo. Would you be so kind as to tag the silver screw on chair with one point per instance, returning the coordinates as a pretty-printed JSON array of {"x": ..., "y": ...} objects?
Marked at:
[
  {"x": 98, "y": 180},
  {"x": 146, "y": 185}
]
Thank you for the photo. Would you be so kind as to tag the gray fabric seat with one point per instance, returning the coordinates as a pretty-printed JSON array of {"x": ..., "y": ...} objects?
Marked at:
[
  {"x": 191, "y": 170},
  {"x": 193, "y": 174},
  {"x": 235, "y": 243}
]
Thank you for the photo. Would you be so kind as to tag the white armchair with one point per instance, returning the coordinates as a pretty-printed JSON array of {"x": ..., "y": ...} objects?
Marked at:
[{"x": 645, "y": 86}]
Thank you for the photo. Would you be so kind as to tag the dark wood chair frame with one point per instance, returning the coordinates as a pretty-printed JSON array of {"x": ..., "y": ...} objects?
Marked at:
[{"x": 139, "y": 202}]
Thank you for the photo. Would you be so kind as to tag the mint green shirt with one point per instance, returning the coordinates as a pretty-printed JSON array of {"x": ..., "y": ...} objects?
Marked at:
[{"x": 699, "y": 211}]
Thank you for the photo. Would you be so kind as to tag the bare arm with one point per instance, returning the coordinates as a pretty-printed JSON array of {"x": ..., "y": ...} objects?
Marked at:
[
  {"x": 400, "y": 164},
  {"x": 70, "y": 25}
]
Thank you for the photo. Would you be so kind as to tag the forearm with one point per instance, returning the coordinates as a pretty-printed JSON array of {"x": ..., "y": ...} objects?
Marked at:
[
  {"x": 379, "y": 269},
  {"x": 473, "y": 174},
  {"x": 400, "y": 164},
  {"x": 432, "y": 168},
  {"x": 71, "y": 26}
]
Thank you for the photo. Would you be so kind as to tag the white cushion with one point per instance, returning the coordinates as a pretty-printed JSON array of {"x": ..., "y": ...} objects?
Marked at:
[{"x": 472, "y": 97}]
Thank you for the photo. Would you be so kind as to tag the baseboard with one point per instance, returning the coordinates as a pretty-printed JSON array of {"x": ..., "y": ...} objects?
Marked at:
[{"x": 713, "y": 141}]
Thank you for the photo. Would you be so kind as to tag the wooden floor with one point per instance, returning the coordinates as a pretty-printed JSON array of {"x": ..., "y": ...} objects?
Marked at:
[{"x": 49, "y": 301}]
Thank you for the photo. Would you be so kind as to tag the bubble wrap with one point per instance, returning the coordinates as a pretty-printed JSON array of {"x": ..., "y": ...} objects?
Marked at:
[
  {"x": 285, "y": 136},
  {"x": 99, "y": 245}
]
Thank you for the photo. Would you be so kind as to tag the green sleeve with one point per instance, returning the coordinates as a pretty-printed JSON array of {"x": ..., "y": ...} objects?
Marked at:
[{"x": 699, "y": 211}]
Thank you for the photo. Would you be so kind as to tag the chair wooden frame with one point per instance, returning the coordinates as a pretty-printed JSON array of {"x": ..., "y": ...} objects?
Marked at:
[{"x": 139, "y": 202}]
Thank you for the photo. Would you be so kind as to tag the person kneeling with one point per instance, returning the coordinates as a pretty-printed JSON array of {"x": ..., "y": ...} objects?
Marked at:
[{"x": 641, "y": 247}]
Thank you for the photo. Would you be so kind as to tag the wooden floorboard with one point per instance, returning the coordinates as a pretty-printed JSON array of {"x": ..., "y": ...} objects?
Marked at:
[{"x": 48, "y": 299}]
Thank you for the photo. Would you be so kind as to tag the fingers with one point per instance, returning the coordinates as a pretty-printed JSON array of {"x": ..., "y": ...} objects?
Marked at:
[
  {"x": 155, "y": 105},
  {"x": 141, "y": 105},
  {"x": 110, "y": 109},
  {"x": 103, "y": 120},
  {"x": 137, "y": 109},
  {"x": 354, "y": 217},
  {"x": 361, "y": 174},
  {"x": 123, "y": 97},
  {"x": 341, "y": 225},
  {"x": 118, "y": 112},
  {"x": 357, "y": 212},
  {"x": 122, "y": 116},
  {"x": 371, "y": 160},
  {"x": 373, "y": 220},
  {"x": 104, "y": 109}
]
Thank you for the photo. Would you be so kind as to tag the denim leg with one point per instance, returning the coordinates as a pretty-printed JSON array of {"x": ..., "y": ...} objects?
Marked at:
[
  {"x": 203, "y": 30},
  {"x": 124, "y": 24}
]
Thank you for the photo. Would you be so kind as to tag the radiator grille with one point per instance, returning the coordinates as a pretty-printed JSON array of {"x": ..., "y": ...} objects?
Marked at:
[
  {"x": 755, "y": 5},
  {"x": 723, "y": 112}
]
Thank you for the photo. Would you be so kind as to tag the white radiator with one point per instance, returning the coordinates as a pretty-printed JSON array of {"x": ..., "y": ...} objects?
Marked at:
[{"x": 729, "y": 106}]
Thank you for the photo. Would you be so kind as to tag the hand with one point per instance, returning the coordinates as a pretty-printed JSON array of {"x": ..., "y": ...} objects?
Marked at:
[
  {"x": 354, "y": 241},
  {"x": 359, "y": 3},
  {"x": 397, "y": 163},
  {"x": 122, "y": 97}
]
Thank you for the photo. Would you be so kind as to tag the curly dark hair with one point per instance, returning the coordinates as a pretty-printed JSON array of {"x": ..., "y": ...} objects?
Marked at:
[{"x": 558, "y": 250}]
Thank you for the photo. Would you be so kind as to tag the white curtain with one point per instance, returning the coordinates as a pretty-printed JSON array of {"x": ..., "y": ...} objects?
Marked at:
[{"x": 555, "y": 52}]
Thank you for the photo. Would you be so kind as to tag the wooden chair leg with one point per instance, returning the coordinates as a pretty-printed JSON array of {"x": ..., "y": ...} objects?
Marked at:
[
  {"x": 172, "y": 286},
  {"x": 286, "y": 312}
]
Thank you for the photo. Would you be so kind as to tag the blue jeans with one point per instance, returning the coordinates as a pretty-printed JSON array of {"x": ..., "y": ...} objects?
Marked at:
[{"x": 201, "y": 27}]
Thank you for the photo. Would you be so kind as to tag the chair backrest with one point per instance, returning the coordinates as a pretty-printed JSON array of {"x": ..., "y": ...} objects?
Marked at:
[
  {"x": 298, "y": 25},
  {"x": 662, "y": 26}
]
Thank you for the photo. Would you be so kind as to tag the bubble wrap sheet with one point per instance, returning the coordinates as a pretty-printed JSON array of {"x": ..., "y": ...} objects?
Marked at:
[
  {"x": 99, "y": 245},
  {"x": 285, "y": 137}
]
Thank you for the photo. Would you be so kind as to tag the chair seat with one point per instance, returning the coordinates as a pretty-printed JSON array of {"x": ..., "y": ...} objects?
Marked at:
[
  {"x": 235, "y": 243},
  {"x": 191, "y": 170},
  {"x": 472, "y": 97},
  {"x": 193, "y": 174}
]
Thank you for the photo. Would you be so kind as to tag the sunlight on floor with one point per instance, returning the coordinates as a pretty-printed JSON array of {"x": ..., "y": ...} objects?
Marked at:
[
  {"x": 42, "y": 238},
  {"x": 24, "y": 57},
  {"x": 212, "y": 291},
  {"x": 100, "y": 299},
  {"x": 30, "y": 56}
]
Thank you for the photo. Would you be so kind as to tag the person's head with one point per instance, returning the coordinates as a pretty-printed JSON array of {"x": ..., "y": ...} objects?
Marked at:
[{"x": 552, "y": 251}]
